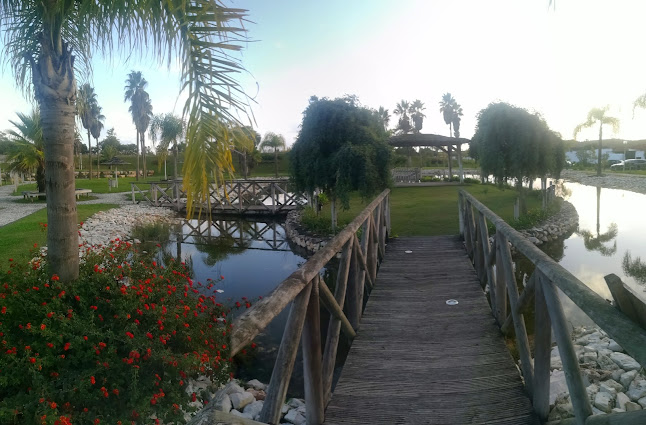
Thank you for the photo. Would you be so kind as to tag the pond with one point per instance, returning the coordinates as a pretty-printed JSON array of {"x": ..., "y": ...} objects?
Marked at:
[
  {"x": 610, "y": 239},
  {"x": 246, "y": 259}
]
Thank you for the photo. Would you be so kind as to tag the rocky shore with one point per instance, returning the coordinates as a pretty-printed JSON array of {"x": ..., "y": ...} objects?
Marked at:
[
  {"x": 555, "y": 226},
  {"x": 301, "y": 237},
  {"x": 615, "y": 382},
  {"x": 610, "y": 180}
]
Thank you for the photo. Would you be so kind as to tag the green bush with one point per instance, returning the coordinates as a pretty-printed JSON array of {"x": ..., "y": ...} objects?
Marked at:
[{"x": 115, "y": 346}]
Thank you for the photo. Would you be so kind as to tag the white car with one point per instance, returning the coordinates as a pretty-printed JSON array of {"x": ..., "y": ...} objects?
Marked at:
[{"x": 630, "y": 164}]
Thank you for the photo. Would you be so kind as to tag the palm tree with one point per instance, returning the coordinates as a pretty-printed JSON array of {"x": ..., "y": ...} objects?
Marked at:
[
  {"x": 95, "y": 130},
  {"x": 402, "y": 109},
  {"x": 48, "y": 42},
  {"x": 598, "y": 115},
  {"x": 167, "y": 128},
  {"x": 86, "y": 105},
  {"x": 140, "y": 109},
  {"x": 417, "y": 115},
  {"x": 449, "y": 109},
  {"x": 27, "y": 152},
  {"x": 273, "y": 141},
  {"x": 384, "y": 117}
]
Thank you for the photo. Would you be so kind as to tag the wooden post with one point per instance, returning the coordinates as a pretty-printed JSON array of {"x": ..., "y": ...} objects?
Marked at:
[
  {"x": 373, "y": 246},
  {"x": 501, "y": 287},
  {"x": 468, "y": 232},
  {"x": 382, "y": 229},
  {"x": 578, "y": 394},
  {"x": 519, "y": 322},
  {"x": 239, "y": 196},
  {"x": 273, "y": 197},
  {"x": 353, "y": 306},
  {"x": 286, "y": 356},
  {"x": 312, "y": 373},
  {"x": 132, "y": 187},
  {"x": 486, "y": 249},
  {"x": 478, "y": 255},
  {"x": 334, "y": 326},
  {"x": 461, "y": 215},
  {"x": 542, "y": 348}
]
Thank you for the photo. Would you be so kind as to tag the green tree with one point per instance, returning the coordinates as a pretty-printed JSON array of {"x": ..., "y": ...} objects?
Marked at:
[
  {"x": 26, "y": 153},
  {"x": 384, "y": 117},
  {"x": 95, "y": 130},
  {"x": 511, "y": 143},
  {"x": 48, "y": 42},
  {"x": 402, "y": 109},
  {"x": 168, "y": 129},
  {"x": 87, "y": 108},
  {"x": 341, "y": 147},
  {"x": 598, "y": 115},
  {"x": 273, "y": 141},
  {"x": 451, "y": 112},
  {"x": 417, "y": 115},
  {"x": 140, "y": 109}
]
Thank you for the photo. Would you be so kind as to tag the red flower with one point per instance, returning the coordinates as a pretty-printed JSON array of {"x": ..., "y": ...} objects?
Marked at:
[
  {"x": 32, "y": 360},
  {"x": 149, "y": 335},
  {"x": 42, "y": 326},
  {"x": 4, "y": 310},
  {"x": 53, "y": 405},
  {"x": 92, "y": 380},
  {"x": 55, "y": 278},
  {"x": 130, "y": 335},
  {"x": 67, "y": 346},
  {"x": 193, "y": 397}
]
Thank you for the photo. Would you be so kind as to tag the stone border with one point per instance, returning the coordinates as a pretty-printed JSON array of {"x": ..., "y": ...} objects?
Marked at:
[
  {"x": 301, "y": 237},
  {"x": 555, "y": 226}
]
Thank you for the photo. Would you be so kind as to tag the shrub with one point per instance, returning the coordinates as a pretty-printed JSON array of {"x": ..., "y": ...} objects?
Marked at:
[{"x": 115, "y": 347}]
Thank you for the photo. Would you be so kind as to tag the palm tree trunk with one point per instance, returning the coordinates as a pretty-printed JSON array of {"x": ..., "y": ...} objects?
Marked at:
[
  {"x": 450, "y": 148},
  {"x": 175, "y": 160},
  {"x": 89, "y": 143},
  {"x": 55, "y": 90},
  {"x": 137, "y": 177},
  {"x": 276, "y": 161},
  {"x": 98, "y": 159},
  {"x": 143, "y": 150},
  {"x": 599, "y": 153}
]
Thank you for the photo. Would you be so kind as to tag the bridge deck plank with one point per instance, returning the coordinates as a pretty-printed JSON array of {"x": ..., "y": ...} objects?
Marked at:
[{"x": 417, "y": 360}]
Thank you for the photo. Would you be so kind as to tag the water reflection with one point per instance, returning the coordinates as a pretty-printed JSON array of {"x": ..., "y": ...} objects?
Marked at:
[
  {"x": 597, "y": 243},
  {"x": 634, "y": 268}
]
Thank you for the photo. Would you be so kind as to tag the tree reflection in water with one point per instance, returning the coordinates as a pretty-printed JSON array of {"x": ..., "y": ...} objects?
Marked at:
[
  {"x": 598, "y": 242},
  {"x": 634, "y": 268}
]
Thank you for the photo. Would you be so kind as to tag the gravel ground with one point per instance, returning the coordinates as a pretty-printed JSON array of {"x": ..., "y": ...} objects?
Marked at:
[{"x": 11, "y": 211}]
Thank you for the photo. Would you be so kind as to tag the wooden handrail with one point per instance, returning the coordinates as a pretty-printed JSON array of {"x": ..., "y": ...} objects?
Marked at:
[
  {"x": 248, "y": 325},
  {"x": 548, "y": 276}
]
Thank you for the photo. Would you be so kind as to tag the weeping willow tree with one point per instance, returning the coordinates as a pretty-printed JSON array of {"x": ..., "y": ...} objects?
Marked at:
[
  {"x": 340, "y": 148},
  {"x": 48, "y": 42},
  {"x": 511, "y": 143}
]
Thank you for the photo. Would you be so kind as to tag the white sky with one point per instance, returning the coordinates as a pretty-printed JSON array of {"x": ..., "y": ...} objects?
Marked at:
[{"x": 560, "y": 62}]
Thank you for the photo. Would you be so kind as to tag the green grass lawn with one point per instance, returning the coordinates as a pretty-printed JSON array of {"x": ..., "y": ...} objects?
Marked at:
[
  {"x": 426, "y": 211},
  {"x": 97, "y": 185},
  {"x": 17, "y": 238}
]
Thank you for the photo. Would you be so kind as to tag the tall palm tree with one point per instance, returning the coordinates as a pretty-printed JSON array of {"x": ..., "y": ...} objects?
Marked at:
[
  {"x": 384, "y": 117},
  {"x": 273, "y": 141},
  {"x": 402, "y": 109},
  {"x": 417, "y": 115},
  {"x": 48, "y": 42},
  {"x": 27, "y": 152},
  {"x": 95, "y": 130},
  {"x": 86, "y": 105},
  {"x": 140, "y": 109},
  {"x": 448, "y": 106},
  {"x": 598, "y": 115},
  {"x": 168, "y": 129}
]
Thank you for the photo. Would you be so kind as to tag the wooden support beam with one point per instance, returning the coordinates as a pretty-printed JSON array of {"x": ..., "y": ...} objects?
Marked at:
[
  {"x": 362, "y": 261},
  {"x": 542, "y": 354},
  {"x": 524, "y": 301},
  {"x": 522, "y": 341},
  {"x": 312, "y": 372},
  {"x": 336, "y": 310},
  {"x": 501, "y": 288},
  {"x": 285, "y": 361}
]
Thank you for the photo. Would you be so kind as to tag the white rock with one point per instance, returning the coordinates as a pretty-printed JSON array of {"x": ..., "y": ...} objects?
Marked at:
[
  {"x": 232, "y": 387},
  {"x": 610, "y": 383},
  {"x": 618, "y": 410},
  {"x": 589, "y": 357},
  {"x": 642, "y": 402},
  {"x": 240, "y": 400},
  {"x": 256, "y": 385},
  {"x": 284, "y": 409},
  {"x": 295, "y": 403},
  {"x": 627, "y": 378},
  {"x": 624, "y": 361},
  {"x": 637, "y": 389},
  {"x": 253, "y": 409},
  {"x": 612, "y": 345},
  {"x": 240, "y": 414},
  {"x": 294, "y": 417},
  {"x": 604, "y": 401},
  {"x": 603, "y": 388},
  {"x": 558, "y": 385},
  {"x": 616, "y": 375},
  {"x": 222, "y": 402},
  {"x": 622, "y": 399},
  {"x": 592, "y": 390},
  {"x": 632, "y": 406}
]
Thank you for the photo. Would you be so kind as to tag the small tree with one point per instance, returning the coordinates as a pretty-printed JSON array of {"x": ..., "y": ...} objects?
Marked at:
[
  {"x": 341, "y": 147},
  {"x": 512, "y": 143},
  {"x": 273, "y": 141},
  {"x": 598, "y": 115}
]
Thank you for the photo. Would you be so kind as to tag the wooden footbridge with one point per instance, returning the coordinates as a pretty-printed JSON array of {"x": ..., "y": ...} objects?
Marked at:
[{"x": 416, "y": 359}]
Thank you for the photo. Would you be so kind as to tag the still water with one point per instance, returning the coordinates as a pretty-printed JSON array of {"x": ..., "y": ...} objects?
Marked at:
[{"x": 610, "y": 239}]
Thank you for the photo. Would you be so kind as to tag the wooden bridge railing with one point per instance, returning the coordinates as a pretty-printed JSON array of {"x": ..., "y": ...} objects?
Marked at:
[
  {"x": 358, "y": 264},
  {"x": 494, "y": 266},
  {"x": 238, "y": 196}
]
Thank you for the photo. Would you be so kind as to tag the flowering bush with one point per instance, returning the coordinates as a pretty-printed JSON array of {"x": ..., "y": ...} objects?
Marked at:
[{"x": 117, "y": 346}]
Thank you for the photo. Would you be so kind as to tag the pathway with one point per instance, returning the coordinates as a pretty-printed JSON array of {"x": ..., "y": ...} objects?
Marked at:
[{"x": 417, "y": 360}]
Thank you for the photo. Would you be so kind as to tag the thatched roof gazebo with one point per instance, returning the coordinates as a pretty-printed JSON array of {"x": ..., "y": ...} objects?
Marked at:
[{"x": 444, "y": 143}]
